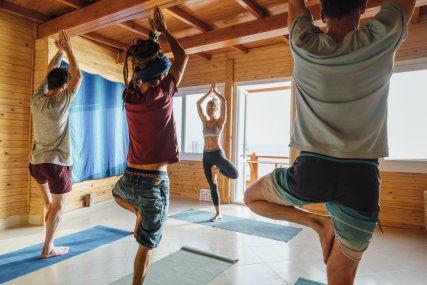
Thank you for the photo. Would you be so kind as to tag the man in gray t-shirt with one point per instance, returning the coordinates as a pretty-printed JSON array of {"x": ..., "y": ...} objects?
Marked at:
[
  {"x": 342, "y": 80},
  {"x": 51, "y": 161}
]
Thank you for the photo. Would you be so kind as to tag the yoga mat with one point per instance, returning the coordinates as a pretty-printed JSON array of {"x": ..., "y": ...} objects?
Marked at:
[
  {"x": 246, "y": 226},
  {"x": 303, "y": 281},
  {"x": 27, "y": 260},
  {"x": 189, "y": 266}
]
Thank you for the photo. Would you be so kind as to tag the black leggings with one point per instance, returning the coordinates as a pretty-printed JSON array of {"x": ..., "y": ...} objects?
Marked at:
[{"x": 216, "y": 157}]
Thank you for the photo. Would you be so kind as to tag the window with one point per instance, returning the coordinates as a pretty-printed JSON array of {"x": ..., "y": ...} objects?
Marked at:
[
  {"x": 193, "y": 126},
  {"x": 188, "y": 125},
  {"x": 407, "y": 122},
  {"x": 177, "y": 113}
]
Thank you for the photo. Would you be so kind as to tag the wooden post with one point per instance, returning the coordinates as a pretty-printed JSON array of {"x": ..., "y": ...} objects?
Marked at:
[
  {"x": 41, "y": 61},
  {"x": 228, "y": 128}
]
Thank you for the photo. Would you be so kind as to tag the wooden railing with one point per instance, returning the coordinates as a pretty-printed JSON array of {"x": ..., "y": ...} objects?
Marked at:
[{"x": 254, "y": 160}]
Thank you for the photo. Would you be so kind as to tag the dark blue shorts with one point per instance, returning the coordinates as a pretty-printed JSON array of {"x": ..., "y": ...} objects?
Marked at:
[
  {"x": 349, "y": 189},
  {"x": 148, "y": 191}
]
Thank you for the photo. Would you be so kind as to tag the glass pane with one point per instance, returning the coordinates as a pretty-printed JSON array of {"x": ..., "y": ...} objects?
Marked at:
[
  {"x": 407, "y": 116},
  {"x": 193, "y": 126},
  {"x": 177, "y": 113},
  {"x": 268, "y": 128}
]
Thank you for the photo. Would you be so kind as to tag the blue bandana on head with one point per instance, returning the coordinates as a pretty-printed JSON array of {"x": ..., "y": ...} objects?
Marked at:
[{"x": 154, "y": 69}]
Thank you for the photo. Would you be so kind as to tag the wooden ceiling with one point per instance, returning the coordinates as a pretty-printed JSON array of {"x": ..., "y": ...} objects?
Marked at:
[{"x": 204, "y": 27}]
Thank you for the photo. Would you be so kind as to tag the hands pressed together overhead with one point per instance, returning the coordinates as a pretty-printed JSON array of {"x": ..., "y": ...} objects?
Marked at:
[
  {"x": 63, "y": 42},
  {"x": 158, "y": 24},
  {"x": 215, "y": 93}
]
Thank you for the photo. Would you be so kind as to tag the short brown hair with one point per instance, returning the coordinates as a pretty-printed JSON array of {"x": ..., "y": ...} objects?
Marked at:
[
  {"x": 57, "y": 77},
  {"x": 336, "y": 9}
]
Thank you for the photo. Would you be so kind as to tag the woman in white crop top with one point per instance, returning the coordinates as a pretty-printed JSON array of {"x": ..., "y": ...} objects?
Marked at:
[{"x": 214, "y": 160}]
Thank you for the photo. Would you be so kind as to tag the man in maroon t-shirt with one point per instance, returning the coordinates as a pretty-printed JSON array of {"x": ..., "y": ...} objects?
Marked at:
[{"x": 144, "y": 187}]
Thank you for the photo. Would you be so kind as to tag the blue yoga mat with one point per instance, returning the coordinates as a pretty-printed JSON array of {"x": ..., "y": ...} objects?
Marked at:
[
  {"x": 242, "y": 225},
  {"x": 303, "y": 281},
  {"x": 27, "y": 260}
]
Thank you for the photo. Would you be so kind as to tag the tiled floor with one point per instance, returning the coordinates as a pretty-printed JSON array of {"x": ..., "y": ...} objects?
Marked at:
[{"x": 395, "y": 257}]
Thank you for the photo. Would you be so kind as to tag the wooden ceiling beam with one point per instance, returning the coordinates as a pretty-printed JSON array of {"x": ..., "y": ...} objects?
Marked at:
[
  {"x": 106, "y": 41},
  {"x": 188, "y": 19},
  {"x": 240, "y": 48},
  {"x": 265, "y": 28},
  {"x": 20, "y": 11},
  {"x": 416, "y": 16},
  {"x": 204, "y": 55},
  {"x": 76, "y": 4},
  {"x": 134, "y": 27},
  {"x": 102, "y": 14},
  {"x": 253, "y": 8}
]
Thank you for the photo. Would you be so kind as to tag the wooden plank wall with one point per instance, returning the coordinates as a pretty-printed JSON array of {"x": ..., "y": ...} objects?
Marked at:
[{"x": 16, "y": 64}]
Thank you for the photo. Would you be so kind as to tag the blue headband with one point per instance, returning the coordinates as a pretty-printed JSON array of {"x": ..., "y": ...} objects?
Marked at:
[{"x": 154, "y": 69}]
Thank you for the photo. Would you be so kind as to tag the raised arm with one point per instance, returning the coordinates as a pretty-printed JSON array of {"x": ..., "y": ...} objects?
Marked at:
[
  {"x": 295, "y": 8},
  {"x": 408, "y": 5},
  {"x": 199, "y": 106},
  {"x": 76, "y": 75},
  {"x": 54, "y": 63},
  {"x": 180, "y": 56},
  {"x": 223, "y": 112}
]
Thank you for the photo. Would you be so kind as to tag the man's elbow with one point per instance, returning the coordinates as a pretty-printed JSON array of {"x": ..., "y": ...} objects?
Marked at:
[{"x": 79, "y": 75}]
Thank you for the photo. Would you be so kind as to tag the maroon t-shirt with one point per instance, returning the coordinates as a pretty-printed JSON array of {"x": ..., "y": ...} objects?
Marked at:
[{"x": 152, "y": 132}]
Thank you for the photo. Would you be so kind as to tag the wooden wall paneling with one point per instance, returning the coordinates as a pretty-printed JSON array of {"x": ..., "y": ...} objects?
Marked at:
[
  {"x": 186, "y": 179},
  {"x": 101, "y": 188},
  {"x": 200, "y": 71},
  {"x": 263, "y": 63},
  {"x": 94, "y": 58},
  {"x": 16, "y": 64}
]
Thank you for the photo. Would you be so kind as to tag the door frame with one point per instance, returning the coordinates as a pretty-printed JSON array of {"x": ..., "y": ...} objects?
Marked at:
[{"x": 236, "y": 113}]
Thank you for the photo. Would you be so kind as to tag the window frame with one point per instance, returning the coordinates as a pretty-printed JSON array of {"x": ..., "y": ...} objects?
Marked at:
[
  {"x": 406, "y": 165},
  {"x": 184, "y": 92}
]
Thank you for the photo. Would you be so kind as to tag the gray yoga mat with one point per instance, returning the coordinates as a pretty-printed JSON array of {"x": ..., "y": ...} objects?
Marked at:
[
  {"x": 303, "y": 281},
  {"x": 242, "y": 225},
  {"x": 189, "y": 266}
]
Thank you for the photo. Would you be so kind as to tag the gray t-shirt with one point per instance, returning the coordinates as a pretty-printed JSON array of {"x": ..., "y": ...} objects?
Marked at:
[
  {"x": 51, "y": 124},
  {"x": 342, "y": 88}
]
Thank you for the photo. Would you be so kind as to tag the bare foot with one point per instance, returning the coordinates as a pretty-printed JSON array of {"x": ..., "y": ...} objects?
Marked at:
[
  {"x": 326, "y": 236},
  {"x": 56, "y": 251},
  {"x": 214, "y": 171},
  {"x": 138, "y": 223},
  {"x": 218, "y": 216},
  {"x": 48, "y": 206}
]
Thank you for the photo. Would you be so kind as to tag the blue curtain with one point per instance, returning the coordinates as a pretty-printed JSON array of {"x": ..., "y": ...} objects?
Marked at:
[{"x": 99, "y": 130}]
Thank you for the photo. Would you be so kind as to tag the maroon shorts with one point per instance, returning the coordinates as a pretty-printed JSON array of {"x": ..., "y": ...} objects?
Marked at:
[{"x": 58, "y": 177}]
